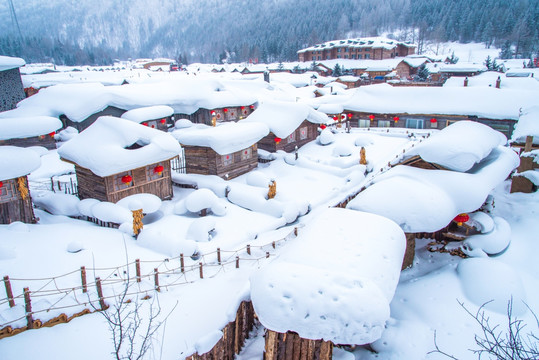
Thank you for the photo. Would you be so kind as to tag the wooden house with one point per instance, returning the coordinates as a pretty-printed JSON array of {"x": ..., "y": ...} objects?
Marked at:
[
  {"x": 291, "y": 125},
  {"x": 11, "y": 87},
  {"x": 156, "y": 117},
  {"x": 521, "y": 183},
  {"x": 29, "y": 131},
  {"x": 227, "y": 150},
  {"x": 525, "y": 140},
  {"x": 82, "y": 124},
  {"x": 219, "y": 114},
  {"x": 15, "y": 201},
  {"x": 115, "y": 158}
]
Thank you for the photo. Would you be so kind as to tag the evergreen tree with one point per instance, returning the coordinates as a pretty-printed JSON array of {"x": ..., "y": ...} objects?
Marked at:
[
  {"x": 453, "y": 59},
  {"x": 337, "y": 70},
  {"x": 506, "y": 52},
  {"x": 495, "y": 66},
  {"x": 488, "y": 63},
  {"x": 423, "y": 73}
]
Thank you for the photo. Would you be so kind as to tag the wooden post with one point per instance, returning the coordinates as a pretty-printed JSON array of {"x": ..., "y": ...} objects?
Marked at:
[
  {"x": 182, "y": 265},
  {"x": 201, "y": 271},
  {"x": 137, "y": 269},
  {"x": 296, "y": 231},
  {"x": 219, "y": 255},
  {"x": 100, "y": 293},
  {"x": 83, "y": 279},
  {"x": 156, "y": 279},
  {"x": 9, "y": 292},
  {"x": 267, "y": 254},
  {"x": 273, "y": 244},
  {"x": 249, "y": 249},
  {"x": 529, "y": 143},
  {"x": 237, "y": 262},
  {"x": 28, "y": 308}
]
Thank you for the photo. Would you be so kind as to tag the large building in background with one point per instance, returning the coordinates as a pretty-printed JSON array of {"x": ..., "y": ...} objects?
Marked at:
[{"x": 373, "y": 48}]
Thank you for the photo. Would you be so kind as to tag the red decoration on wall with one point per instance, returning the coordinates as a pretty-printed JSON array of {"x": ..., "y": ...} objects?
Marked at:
[
  {"x": 145, "y": 123},
  {"x": 335, "y": 118},
  {"x": 225, "y": 110},
  {"x": 1, "y": 184},
  {"x": 461, "y": 218},
  {"x": 126, "y": 179},
  {"x": 163, "y": 121},
  {"x": 158, "y": 169},
  {"x": 277, "y": 140},
  {"x": 350, "y": 115},
  {"x": 371, "y": 117},
  {"x": 52, "y": 134},
  {"x": 433, "y": 120},
  {"x": 243, "y": 107},
  {"x": 396, "y": 119},
  {"x": 212, "y": 113},
  {"x": 323, "y": 126},
  {"x": 252, "y": 107}
]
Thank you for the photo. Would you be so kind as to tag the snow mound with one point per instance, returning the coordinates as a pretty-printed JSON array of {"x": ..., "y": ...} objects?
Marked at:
[
  {"x": 16, "y": 161},
  {"x": 201, "y": 229},
  {"x": 493, "y": 284},
  {"x": 149, "y": 203},
  {"x": 183, "y": 124},
  {"x": 493, "y": 242},
  {"x": 110, "y": 212},
  {"x": 164, "y": 241},
  {"x": 74, "y": 247},
  {"x": 326, "y": 137},
  {"x": 18, "y": 226},
  {"x": 200, "y": 199},
  {"x": 85, "y": 207},
  {"x": 148, "y": 113},
  {"x": 342, "y": 150},
  {"x": 258, "y": 179},
  {"x": 481, "y": 221},
  {"x": 363, "y": 141},
  {"x": 57, "y": 203}
]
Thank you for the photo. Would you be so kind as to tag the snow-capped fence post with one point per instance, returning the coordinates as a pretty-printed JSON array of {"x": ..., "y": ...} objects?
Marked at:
[
  {"x": 201, "y": 271},
  {"x": 296, "y": 231},
  {"x": 100, "y": 293},
  {"x": 273, "y": 244},
  {"x": 237, "y": 262},
  {"x": 156, "y": 279},
  {"x": 182, "y": 264},
  {"x": 52, "y": 185},
  {"x": 362, "y": 156},
  {"x": 466, "y": 81},
  {"x": 219, "y": 256},
  {"x": 83, "y": 279},
  {"x": 137, "y": 269},
  {"x": 9, "y": 292},
  {"x": 28, "y": 309},
  {"x": 267, "y": 254},
  {"x": 498, "y": 82},
  {"x": 249, "y": 249}
]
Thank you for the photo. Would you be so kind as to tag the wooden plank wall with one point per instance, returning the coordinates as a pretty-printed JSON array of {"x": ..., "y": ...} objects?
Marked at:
[
  {"x": 268, "y": 142},
  {"x": 47, "y": 141},
  {"x": 90, "y": 185},
  {"x": 205, "y": 161},
  {"x": 234, "y": 336},
  {"x": 291, "y": 346},
  {"x": 17, "y": 209}
]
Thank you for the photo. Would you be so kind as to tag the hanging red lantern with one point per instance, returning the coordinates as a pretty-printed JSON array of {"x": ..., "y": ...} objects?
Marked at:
[
  {"x": 225, "y": 110},
  {"x": 343, "y": 117},
  {"x": 433, "y": 120},
  {"x": 252, "y": 107},
  {"x": 158, "y": 169},
  {"x": 335, "y": 118},
  {"x": 145, "y": 123},
  {"x": 371, "y": 117},
  {"x": 41, "y": 137},
  {"x": 350, "y": 115},
  {"x": 461, "y": 218},
  {"x": 243, "y": 107},
  {"x": 163, "y": 121},
  {"x": 126, "y": 179},
  {"x": 52, "y": 134},
  {"x": 1, "y": 184},
  {"x": 396, "y": 119},
  {"x": 323, "y": 126},
  {"x": 277, "y": 140},
  {"x": 212, "y": 113}
]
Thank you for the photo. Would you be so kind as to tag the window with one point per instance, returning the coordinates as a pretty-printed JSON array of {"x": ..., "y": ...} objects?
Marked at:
[
  {"x": 345, "y": 49},
  {"x": 364, "y": 123},
  {"x": 318, "y": 57},
  {"x": 367, "y": 49},
  {"x": 291, "y": 138},
  {"x": 360, "y": 49},
  {"x": 384, "y": 123},
  {"x": 246, "y": 154},
  {"x": 8, "y": 190},
  {"x": 338, "y": 56},
  {"x": 152, "y": 172},
  {"x": 303, "y": 133},
  {"x": 359, "y": 56},
  {"x": 367, "y": 56},
  {"x": 227, "y": 159},
  {"x": 352, "y": 56},
  {"x": 415, "y": 123},
  {"x": 121, "y": 181},
  {"x": 339, "y": 49},
  {"x": 346, "y": 56}
]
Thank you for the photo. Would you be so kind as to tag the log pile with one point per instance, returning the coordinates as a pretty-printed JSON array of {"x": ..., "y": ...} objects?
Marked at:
[{"x": 291, "y": 346}]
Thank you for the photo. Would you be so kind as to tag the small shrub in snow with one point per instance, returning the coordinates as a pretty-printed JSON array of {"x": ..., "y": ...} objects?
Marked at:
[
  {"x": 74, "y": 247},
  {"x": 199, "y": 200},
  {"x": 326, "y": 137}
]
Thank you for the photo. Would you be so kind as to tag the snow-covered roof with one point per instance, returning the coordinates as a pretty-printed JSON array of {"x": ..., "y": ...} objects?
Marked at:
[
  {"x": 24, "y": 127},
  {"x": 8, "y": 62},
  {"x": 79, "y": 101},
  {"x": 527, "y": 125},
  {"x": 102, "y": 147},
  {"x": 226, "y": 138},
  {"x": 459, "y": 146},
  {"x": 148, "y": 113},
  {"x": 16, "y": 161},
  {"x": 331, "y": 108},
  {"x": 490, "y": 103},
  {"x": 367, "y": 42},
  {"x": 416, "y": 61},
  {"x": 283, "y": 118},
  {"x": 463, "y": 67},
  {"x": 336, "y": 290},
  {"x": 422, "y": 200}
]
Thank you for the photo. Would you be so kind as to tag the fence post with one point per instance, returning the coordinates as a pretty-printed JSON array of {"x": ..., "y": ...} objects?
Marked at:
[
  {"x": 237, "y": 262},
  {"x": 28, "y": 308},
  {"x": 273, "y": 244},
  {"x": 267, "y": 254},
  {"x": 201, "y": 271},
  {"x": 219, "y": 255},
  {"x": 9, "y": 292},
  {"x": 100, "y": 293},
  {"x": 156, "y": 278},
  {"x": 137, "y": 268},
  {"x": 83, "y": 279},
  {"x": 52, "y": 185},
  {"x": 249, "y": 249},
  {"x": 296, "y": 231},
  {"x": 182, "y": 265}
]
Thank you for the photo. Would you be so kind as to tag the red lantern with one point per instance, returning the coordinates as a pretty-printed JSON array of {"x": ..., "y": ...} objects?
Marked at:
[
  {"x": 350, "y": 115},
  {"x": 225, "y": 110},
  {"x": 252, "y": 107},
  {"x": 277, "y": 140},
  {"x": 371, "y": 117},
  {"x": 212, "y": 113},
  {"x": 396, "y": 119},
  {"x": 52, "y": 134},
  {"x": 163, "y": 121},
  {"x": 126, "y": 179},
  {"x": 1, "y": 184},
  {"x": 158, "y": 169},
  {"x": 335, "y": 118},
  {"x": 433, "y": 120},
  {"x": 243, "y": 107},
  {"x": 323, "y": 126},
  {"x": 145, "y": 123},
  {"x": 343, "y": 117},
  {"x": 461, "y": 218}
]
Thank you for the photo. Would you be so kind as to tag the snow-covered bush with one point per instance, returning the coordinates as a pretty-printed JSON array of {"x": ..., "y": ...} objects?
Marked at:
[{"x": 326, "y": 137}]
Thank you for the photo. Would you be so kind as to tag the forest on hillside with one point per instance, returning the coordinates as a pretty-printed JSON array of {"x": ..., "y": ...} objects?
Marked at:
[{"x": 98, "y": 31}]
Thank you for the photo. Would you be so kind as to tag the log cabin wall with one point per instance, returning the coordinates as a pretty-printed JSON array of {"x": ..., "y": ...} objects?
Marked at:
[
  {"x": 205, "y": 161},
  {"x": 45, "y": 140},
  {"x": 234, "y": 336},
  {"x": 233, "y": 113},
  {"x": 80, "y": 126},
  {"x": 291, "y": 346},
  {"x": 305, "y": 133},
  {"x": 12, "y": 206},
  {"x": 112, "y": 189},
  {"x": 199, "y": 160}
]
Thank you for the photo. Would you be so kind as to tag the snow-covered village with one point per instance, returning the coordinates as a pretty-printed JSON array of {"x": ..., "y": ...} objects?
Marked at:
[{"x": 371, "y": 198}]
